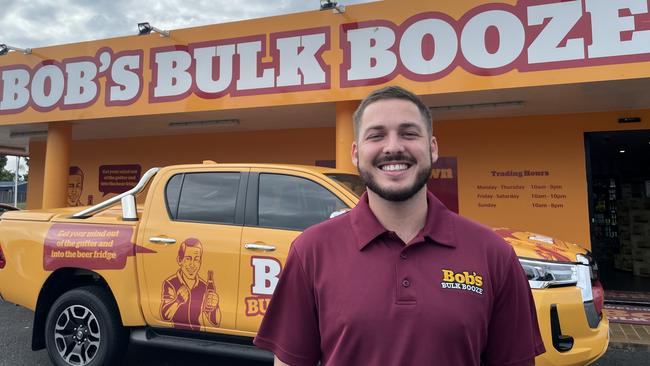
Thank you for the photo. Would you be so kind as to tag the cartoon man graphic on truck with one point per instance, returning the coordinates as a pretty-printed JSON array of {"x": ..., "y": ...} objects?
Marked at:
[{"x": 189, "y": 301}]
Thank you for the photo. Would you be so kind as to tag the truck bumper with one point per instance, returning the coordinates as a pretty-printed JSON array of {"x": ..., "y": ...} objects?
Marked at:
[{"x": 587, "y": 344}]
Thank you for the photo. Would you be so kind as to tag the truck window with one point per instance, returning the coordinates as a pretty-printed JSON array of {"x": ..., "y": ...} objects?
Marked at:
[
  {"x": 351, "y": 182},
  {"x": 204, "y": 197},
  {"x": 294, "y": 203},
  {"x": 172, "y": 194}
]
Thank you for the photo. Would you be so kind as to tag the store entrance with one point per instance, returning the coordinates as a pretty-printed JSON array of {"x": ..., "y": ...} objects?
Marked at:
[{"x": 618, "y": 171}]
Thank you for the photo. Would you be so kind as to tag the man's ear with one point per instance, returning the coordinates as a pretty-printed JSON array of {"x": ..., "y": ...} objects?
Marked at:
[
  {"x": 434, "y": 149},
  {"x": 355, "y": 154}
]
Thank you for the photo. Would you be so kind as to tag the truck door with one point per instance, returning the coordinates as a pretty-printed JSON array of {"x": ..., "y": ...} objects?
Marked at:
[
  {"x": 280, "y": 204},
  {"x": 189, "y": 264}
]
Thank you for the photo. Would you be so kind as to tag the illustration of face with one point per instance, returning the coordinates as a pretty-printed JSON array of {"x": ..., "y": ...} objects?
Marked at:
[
  {"x": 393, "y": 153},
  {"x": 75, "y": 186},
  {"x": 190, "y": 262}
]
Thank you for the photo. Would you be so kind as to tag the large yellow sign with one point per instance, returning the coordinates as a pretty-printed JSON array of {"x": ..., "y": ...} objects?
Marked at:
[{"x": 320, "y": 56}]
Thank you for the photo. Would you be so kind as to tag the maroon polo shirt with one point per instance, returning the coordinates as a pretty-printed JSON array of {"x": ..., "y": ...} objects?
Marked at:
[{"x": 353, "y": 293}]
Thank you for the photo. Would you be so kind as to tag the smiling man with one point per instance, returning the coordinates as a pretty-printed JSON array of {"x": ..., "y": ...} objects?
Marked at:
[
  {"x": 187, "y": 301},
  {"x": 400, "y": 279}
]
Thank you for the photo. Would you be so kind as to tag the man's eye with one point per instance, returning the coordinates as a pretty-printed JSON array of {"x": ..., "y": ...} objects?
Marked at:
[
  {"x": 374, "y": 136},
  {"x": 410, "y": 134}
]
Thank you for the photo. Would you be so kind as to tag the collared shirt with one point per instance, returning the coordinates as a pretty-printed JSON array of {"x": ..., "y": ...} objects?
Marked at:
[{"x": 353, "y": 293}]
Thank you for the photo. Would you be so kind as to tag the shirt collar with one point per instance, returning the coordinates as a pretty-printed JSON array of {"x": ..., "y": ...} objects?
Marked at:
[
  {"x": 438, "y": 227},
  {"x": 181, "y": 278}
]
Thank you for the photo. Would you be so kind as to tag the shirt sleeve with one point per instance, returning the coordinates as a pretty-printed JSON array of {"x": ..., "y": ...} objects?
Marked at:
[
  {"x": 514, "y": 338},
  {"x": 290, "y": 326}
]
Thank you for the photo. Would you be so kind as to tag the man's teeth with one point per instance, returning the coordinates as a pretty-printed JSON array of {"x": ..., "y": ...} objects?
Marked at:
[{"x": 393, "y": 167}]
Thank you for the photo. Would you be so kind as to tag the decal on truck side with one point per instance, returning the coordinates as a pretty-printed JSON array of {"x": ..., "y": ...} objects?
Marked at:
[
  {"x": 266, "y": 273},
  {"x": 187, "y": 300},
  {"x": 88, "y": 246}
]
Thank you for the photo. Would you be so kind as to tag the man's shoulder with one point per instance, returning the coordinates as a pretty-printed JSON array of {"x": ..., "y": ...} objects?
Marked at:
[
  {"x": 173, "y": 280},
  {"x": 328, "y": 232},
  {"x": 468, "y": 231}
]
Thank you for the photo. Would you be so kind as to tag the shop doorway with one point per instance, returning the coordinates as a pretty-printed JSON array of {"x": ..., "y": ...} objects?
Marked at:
[{"x": 618, "y": 172}]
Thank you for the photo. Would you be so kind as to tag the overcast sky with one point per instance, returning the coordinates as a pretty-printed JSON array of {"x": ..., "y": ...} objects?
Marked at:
[{"x": 38, "y": 23}]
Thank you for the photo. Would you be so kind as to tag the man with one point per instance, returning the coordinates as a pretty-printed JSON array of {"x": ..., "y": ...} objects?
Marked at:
[
  {"x": 187, "y": 300},
  {"x": 75, "y": 186},
  {"x": 400, "y": 279}
]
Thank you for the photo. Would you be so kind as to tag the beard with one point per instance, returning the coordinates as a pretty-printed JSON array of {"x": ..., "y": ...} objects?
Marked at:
[{"x": 397, "y": 195}]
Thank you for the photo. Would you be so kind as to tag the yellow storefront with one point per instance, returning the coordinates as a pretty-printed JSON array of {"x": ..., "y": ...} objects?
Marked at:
[{"x": 515, "y": 88}]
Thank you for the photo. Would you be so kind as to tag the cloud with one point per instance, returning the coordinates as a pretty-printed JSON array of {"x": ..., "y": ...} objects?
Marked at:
[{"x": 38, "y": 23}]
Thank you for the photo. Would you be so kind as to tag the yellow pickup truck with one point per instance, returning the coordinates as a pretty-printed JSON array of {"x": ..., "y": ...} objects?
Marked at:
[{"x": 195, "y": 265}]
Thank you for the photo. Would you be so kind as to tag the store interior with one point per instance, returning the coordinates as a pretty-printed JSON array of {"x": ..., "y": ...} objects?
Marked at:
[{"x": 618, "y": 172}]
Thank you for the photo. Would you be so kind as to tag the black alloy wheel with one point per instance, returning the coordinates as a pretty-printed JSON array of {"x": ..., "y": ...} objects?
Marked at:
[{"x": 83, "y": 328}]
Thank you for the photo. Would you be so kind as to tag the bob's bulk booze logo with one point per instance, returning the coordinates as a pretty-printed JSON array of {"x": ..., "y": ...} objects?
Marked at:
[
  {"x": 266, "y": 273},
  {"x": 465, "y": 281},
  {"x": 490, "y": 39},
  {"x": 72, "y": 83}
]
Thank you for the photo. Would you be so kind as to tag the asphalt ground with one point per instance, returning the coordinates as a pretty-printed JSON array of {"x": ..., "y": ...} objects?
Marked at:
[
  {"x": 16, "y": 333},
  {"x": 16, "y": 338}
]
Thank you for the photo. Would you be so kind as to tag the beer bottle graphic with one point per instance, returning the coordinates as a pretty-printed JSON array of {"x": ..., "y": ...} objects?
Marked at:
[{"x": 211, "y": 292}]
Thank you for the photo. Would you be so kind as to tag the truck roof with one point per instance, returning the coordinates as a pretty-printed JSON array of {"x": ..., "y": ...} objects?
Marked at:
[{"x": 306, "y": 168}]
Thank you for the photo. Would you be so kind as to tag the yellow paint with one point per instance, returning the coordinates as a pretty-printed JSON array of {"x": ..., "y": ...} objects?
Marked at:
[
  {"x": 272, "y": 146},
  {"x": 57, "y": 158},
  {"x": 36, "y": 170},
  {"x": 345, "y": 135},
  {"x": 553, "y": 143}
]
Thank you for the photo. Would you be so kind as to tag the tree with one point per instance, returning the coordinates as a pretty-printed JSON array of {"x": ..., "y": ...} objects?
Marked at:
[
  {"x": 25, "y": 177},
  {"x": 5, "y": 175}
]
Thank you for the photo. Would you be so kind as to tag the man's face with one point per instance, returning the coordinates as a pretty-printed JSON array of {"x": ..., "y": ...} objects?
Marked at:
[
  {"x": 75, "y": 186},
  {"x": 393, "y": 152},
  {"x": 191, "y": 262}
]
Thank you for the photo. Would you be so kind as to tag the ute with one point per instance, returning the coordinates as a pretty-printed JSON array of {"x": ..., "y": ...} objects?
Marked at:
[{"x": 194, "y": 264}]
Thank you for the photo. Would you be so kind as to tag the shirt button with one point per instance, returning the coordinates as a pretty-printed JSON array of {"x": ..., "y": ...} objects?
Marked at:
[
  {"x": 406, "y": 283},
  {"x": 403, "y": 255}
]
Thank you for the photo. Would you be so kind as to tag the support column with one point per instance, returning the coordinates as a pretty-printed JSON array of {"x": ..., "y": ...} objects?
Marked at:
[
  {"x": 345, "y": 135},
  {"x": 57, "y": 165}
]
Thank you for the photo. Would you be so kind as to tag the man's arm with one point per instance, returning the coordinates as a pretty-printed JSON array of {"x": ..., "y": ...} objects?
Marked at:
[
  {"x": 513, "y": 305},
  {"x": 289, "y": 328},
  {"x": 277, "y": 362}
]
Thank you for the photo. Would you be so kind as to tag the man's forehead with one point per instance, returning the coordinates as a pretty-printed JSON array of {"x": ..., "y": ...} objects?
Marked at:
[
  {"x": 189, "y": 250},
  {"x": 390, "y": 111}
]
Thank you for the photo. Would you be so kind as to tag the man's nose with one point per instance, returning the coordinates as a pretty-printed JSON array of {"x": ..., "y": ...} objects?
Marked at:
[{"x": 393, "y": 144}]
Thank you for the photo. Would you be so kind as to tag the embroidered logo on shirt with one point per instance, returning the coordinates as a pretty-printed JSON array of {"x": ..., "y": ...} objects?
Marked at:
[{"x": 464, "y": 281}]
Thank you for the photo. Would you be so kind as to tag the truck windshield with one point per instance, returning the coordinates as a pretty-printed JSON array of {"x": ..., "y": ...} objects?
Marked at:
[{"x": 351, "y": 182}]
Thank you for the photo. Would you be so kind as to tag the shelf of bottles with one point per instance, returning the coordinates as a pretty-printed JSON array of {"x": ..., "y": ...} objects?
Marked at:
[{"x": 604, "y": 220}]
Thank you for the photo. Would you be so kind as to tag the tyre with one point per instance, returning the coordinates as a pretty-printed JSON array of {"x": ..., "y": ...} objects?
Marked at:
[{"x": 83, "y": 328}]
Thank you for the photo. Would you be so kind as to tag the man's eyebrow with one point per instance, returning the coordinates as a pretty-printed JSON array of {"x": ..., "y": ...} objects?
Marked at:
[
  {"x": 405, "y": 125},
  {"x": 375, "y": 128}
]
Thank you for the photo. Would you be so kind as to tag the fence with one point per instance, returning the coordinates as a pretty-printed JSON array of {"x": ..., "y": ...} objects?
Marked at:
[{"x": 8, "y": 197}]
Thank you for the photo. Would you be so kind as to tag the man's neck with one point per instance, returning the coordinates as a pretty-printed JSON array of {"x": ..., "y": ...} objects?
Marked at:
[
  {"x": 405, "y": 218},
  {"x": 190, "y": 282}
]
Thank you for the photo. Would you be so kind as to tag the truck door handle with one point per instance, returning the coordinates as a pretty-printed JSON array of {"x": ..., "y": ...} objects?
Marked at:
[
  {"x": 264, "y": 247},
  {"x": 160, "y": 240}
]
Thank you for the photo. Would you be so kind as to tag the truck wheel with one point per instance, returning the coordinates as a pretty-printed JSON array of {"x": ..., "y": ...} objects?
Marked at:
[{"x": 83, "y": 328}]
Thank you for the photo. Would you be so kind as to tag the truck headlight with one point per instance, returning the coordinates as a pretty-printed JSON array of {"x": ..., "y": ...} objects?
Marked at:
[
  {"x": 549, "y": 274},
  {"x": 585, "y": 274}
]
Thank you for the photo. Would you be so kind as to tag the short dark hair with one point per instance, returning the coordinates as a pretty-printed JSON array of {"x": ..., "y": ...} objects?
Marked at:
[
  {"x": 75, "y": 170},
  {"x": 188, "y": 243},
  {"x": 391, "y": 92}
]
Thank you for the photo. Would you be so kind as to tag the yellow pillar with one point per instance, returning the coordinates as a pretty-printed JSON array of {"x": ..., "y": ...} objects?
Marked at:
[
  {"x": 57, "y": 165},
  {"x": 345, "y": 135}
]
